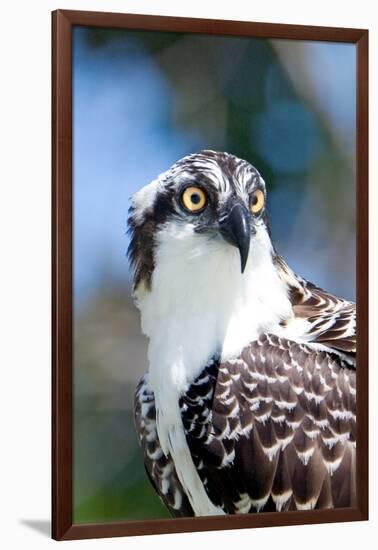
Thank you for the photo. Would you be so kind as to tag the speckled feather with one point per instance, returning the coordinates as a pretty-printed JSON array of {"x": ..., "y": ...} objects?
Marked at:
[
  {"x": 160, "y": 469},
  {"x": 272, "y": 430},
  {"x": 331, "y": 320}
]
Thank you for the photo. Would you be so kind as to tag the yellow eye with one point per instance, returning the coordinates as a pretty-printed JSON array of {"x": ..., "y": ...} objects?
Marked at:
[
  {"x": 194, "y": 199},
  {"x": 257, "y": 201}
]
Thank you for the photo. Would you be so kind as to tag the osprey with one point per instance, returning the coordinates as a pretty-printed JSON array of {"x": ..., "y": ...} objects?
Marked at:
[{"x": 249, "y": 401}]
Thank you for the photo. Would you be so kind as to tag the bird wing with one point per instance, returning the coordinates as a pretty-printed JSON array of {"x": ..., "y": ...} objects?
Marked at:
[
  {"x": 274, "y": 429},
  {"x": 331, "y": 321},
  {"x": 160, "y": 468}
]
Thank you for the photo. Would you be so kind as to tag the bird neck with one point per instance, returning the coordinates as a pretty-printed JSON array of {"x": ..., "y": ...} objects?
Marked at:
[{"x": 200, "y": 306}]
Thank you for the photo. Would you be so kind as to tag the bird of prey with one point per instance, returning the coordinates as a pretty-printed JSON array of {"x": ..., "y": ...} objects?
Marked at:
[{"x": 250, "y": 396}]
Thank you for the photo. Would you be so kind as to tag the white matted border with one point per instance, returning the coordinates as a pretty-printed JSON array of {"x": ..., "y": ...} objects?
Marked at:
[{"x": 25, "y": 273}]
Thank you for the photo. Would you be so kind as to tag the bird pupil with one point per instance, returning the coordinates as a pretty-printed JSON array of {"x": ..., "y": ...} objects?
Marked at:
[
  {"x": 195, "y": 198},
  {"x": 254, "y": 200}
]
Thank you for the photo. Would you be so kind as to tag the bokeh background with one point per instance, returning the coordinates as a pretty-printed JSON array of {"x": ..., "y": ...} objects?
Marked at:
[{"x": 141, "y": 101}]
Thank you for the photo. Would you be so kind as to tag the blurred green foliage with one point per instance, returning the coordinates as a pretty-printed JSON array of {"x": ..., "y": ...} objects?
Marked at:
[{"x": 114, "y": 500}]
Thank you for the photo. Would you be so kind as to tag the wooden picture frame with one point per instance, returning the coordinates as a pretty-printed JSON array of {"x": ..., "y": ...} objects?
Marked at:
[{"x": 63, "y": 22}]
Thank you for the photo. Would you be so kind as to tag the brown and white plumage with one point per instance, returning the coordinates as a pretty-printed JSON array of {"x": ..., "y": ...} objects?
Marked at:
[
  {"x": 260, "y": 418},
  {"x": 332, "y": 320},
  {"x": 272, "y": 430}
]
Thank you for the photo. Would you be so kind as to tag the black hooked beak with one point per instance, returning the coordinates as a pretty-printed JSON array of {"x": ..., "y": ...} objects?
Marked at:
[{"x": 235, "y": 227}]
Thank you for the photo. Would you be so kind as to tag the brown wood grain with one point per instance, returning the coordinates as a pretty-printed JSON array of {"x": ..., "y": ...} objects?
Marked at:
[
  {"x": 362, "y": 271},
  {"x": 62, "y": 347},
  {"x": 61, "y": 277}
]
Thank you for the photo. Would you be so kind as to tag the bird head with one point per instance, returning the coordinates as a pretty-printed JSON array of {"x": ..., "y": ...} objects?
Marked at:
[{"x": 212, "y": 196}]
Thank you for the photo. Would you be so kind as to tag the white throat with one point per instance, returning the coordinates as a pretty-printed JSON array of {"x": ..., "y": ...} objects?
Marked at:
[{"x": 201, "y": 306}]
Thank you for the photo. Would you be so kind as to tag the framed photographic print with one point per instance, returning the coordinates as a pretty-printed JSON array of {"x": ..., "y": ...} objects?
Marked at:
[{"x": 210, "y": 274}]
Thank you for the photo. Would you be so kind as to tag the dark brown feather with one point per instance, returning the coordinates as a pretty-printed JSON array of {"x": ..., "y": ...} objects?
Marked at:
[
  {"x": 160, "y": 469},
  {"x": 299, "y": 432},
  {"x": 332, "y": 320}
]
